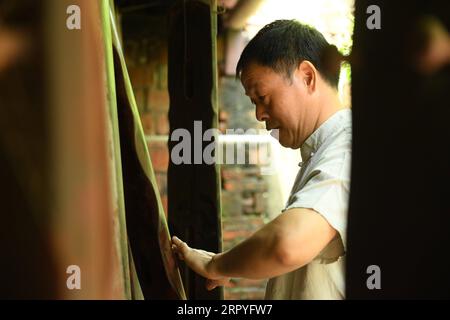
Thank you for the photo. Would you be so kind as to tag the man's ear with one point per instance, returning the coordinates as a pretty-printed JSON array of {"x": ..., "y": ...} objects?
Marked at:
[{"x": 307, "y": 73}]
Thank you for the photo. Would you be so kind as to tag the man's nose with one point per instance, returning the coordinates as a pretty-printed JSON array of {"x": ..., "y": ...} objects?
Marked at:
[{"x": 261, "y": 114}]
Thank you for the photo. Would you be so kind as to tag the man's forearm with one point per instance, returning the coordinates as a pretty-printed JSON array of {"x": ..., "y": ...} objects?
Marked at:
[
  {"x": 288, "y": 242},
  {"x": 258, "y": 257}
]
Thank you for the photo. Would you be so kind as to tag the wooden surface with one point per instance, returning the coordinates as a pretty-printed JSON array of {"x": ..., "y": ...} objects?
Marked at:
[{"x": 194, "y": 189}]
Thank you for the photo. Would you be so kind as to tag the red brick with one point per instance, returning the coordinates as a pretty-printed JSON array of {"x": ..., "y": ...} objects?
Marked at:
[
  {"x": 232, "y": 185},
  {"x": 232, "y": 173},
  {"x": 158, "y": 100},
  {"x": 223, "y": 125},
  {"x": 228, "y": 186},
  {"x": 137, "y": 76},
  {"x": 161, "y": 181},
  {"x": 147, "y": 123},
  {"x": 223, "y": 115},
  {"x": 231, "y": 204},
  {"x": 229, "y": 235},
  {"x": 162, "y": 123},
  {"x": 159, "y": 155},
  {"x": 164, "y": 204}
]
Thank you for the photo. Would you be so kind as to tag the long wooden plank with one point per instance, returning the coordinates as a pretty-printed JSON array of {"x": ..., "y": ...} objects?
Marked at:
[{"x": 193, "y": 189}]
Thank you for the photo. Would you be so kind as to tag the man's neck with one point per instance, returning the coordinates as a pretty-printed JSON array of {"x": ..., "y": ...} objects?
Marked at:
[{"x": 329, "y": 105}]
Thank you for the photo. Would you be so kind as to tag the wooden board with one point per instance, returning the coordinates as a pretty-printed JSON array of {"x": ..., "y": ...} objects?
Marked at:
[{"x": 194, "y": 189}]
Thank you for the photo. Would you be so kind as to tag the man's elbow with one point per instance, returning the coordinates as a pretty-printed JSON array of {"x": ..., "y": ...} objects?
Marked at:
[
  {"x": 289, "y": 256},
  {"x": 301, "y": 236}
]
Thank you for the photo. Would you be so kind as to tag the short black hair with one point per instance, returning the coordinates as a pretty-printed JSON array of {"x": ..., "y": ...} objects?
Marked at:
[{"x": 283, "y": 44}]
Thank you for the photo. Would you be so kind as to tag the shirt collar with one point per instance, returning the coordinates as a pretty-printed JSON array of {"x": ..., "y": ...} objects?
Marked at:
[{"x": 326, "y": 129}]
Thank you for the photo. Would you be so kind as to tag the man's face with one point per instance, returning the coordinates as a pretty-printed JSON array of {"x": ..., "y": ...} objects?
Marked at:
[{"x": 282, "y": 103}]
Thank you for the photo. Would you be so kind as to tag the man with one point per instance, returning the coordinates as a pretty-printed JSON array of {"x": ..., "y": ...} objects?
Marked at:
[{"x": 302, "y": 250}]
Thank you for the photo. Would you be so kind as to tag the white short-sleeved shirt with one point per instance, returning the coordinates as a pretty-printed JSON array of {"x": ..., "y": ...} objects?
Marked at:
[{"x": 322, "y": 184}]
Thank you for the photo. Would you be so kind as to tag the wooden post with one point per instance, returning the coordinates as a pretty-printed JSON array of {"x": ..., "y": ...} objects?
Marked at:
[{"x": 194, "y": 189}]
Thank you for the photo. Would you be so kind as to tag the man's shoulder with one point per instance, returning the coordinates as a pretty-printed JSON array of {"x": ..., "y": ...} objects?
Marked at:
[
  {"x": 337, "y": 144},
  {"x": 340, "y": 133}
]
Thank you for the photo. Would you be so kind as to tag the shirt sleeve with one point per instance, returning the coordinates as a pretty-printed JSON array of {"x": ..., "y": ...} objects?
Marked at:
[{"x": 326, "y": 191}]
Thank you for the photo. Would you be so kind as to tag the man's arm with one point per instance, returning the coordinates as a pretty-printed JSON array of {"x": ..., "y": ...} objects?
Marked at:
[{"x": 288, "y": 242}]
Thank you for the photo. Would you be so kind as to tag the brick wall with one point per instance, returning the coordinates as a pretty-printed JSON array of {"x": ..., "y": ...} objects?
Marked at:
[
  {"x": 147, "y": 65},
  {"x": 244, "y": 197},
  {"x": 245, "y": 191}
]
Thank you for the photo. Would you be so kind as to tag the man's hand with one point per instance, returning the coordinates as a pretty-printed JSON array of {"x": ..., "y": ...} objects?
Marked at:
[
  {"x": 225, "y": 282},
  {"x": 200, "y": 261}
]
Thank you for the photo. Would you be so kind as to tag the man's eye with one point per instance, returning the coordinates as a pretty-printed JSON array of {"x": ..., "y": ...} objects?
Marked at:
[{"x": 261, "y": 98}]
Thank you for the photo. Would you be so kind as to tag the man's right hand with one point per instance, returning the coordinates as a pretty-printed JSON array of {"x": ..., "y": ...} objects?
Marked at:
[
  {"x": 225, "y": 282},
  {"x": 200, "y": 262}
]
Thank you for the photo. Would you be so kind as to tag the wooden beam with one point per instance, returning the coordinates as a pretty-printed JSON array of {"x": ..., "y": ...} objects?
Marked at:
[{"x": 194, "y": 189}]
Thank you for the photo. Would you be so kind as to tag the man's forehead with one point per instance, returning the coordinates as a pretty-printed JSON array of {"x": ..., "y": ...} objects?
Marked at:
[
  {"x": 250, "y": 86},
  {"x": 250, "y": 81},
  {"x": 254, "y": 76},
  {"x": 251, "y": 71}
]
